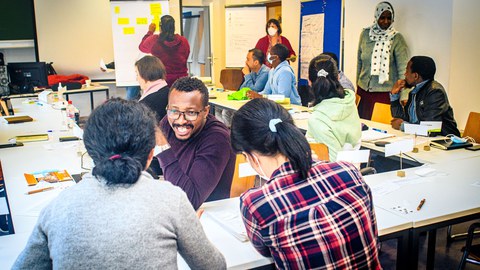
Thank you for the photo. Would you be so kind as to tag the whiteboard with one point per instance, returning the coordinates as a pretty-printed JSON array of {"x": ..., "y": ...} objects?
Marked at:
[
  {"x": 130, "y": 21},
  {"x": 244, "y": 26}
]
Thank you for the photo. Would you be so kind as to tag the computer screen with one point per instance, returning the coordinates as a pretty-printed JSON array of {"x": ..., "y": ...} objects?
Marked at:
[{"x": 25, "y": 76}]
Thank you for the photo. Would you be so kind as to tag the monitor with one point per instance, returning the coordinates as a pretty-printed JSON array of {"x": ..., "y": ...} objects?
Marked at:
[{"x": 25, "y": 76}]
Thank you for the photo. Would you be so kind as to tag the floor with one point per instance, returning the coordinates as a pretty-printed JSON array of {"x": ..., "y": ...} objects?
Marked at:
[{"x": 446, "y": 257}]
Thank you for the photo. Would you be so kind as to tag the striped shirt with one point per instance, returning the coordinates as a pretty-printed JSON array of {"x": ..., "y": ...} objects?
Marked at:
[{"x": 323, "y": 222}]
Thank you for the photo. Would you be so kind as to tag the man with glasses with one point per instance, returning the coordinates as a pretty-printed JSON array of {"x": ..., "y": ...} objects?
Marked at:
[{"x": 193, "y": 147}]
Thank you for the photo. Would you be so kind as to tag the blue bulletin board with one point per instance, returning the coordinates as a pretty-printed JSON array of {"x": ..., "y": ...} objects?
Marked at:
[{"x": 316, "y": 17}]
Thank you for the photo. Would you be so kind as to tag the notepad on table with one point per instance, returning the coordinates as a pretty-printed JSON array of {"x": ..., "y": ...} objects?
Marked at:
[
  {"x": 18, "y": 119},
  {"x": 446, "y": 144},
  {"x": 231, "y": 221},
  {"x": 31, "y": 138}
]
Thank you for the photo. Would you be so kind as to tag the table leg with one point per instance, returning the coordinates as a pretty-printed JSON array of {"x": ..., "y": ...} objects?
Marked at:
[
  {"x": 91, "y": 101},
  {"x": 432, "y": 239},
  {"x": 413, "y": 249},
  {"x": 402, "y": 251}
]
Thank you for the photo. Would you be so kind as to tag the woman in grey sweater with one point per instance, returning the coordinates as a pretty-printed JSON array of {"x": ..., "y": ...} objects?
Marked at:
[{"x": 118, "y": 217}]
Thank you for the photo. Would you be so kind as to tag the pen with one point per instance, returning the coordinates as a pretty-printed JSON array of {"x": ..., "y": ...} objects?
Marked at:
[
  {"x": 379, "y": 130},
  {"x": 420, "y": 204},
  {"x": 39, "y": 190}
]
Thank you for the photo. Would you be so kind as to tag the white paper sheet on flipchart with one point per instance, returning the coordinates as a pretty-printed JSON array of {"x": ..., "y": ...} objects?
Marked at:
[
  {"x": 312, "y": 40},
  {"x": 395, "y": 148},
  {"x": 432, "y": 124},
  {"x": 244, "y": 170},
  {"x": 354, "y": 156},
  {"x": 230, "y": 220},
  {"x": 371, "y": 135}
]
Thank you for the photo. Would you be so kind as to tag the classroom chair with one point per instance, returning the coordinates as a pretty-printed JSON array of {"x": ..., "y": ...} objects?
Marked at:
[
  {"x": 241, "y": 181},
  {"x": 321, "y": 150},
  {"x": 471, "y": 253},
  {"x": 381, "y": 113},
  {"x": 231, "y": 78},
  {"x": 357, "y": 99},
  {"x": 472, "y": 128}
]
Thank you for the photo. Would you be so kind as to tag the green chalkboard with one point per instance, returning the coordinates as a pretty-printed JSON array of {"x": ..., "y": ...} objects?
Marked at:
[{"x": 16, "y": 19}]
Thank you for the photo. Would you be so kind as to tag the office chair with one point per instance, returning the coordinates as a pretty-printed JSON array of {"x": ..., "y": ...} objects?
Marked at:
[
  {"x": 242, "y": 181},
  {"x": 471, "y": 253},
  {"x": 381, "y": 113}
]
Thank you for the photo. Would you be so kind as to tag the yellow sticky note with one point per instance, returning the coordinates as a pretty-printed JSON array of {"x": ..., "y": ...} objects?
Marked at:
[
  {"x": 142, "y": 21},
  {"x": 123, "y": 21},
  {"x": 129, "y": 30},
  {"x": 155, "y": 9},
  {"x": 116, "y": 10}
]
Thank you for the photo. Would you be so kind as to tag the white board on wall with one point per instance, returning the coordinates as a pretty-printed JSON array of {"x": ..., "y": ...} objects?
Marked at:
[
  {"x": 130, "y": 21},
  {"x": 244, "y": 26}
]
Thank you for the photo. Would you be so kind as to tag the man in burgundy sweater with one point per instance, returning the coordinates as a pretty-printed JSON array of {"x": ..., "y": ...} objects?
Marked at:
[{"x": 193, "y": 147}]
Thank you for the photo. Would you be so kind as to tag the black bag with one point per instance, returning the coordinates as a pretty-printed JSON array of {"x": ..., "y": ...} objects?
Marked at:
[{"x": 50, "y": 69}]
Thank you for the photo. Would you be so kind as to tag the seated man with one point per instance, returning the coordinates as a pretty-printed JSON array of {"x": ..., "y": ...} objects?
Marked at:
[
  {"x": 255, "y": 72},
  {"x": 281, "y": 79},
  {"x": 193, "y": 147},
  {"x": 426, "y": 102}
]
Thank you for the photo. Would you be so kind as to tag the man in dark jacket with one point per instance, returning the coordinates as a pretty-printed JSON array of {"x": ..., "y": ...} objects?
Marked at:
[{"x": 426, "y": 102}]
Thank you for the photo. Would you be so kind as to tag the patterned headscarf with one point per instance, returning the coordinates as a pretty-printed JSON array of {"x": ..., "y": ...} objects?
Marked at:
[{"x": 380, "y": 64}]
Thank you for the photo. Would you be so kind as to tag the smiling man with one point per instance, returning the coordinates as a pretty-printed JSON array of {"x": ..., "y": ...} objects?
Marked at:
[{"x": 193, "y": 146}]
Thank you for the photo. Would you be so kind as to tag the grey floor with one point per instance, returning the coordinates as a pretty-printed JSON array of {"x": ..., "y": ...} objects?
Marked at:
[{"x": 446, "y": 257}]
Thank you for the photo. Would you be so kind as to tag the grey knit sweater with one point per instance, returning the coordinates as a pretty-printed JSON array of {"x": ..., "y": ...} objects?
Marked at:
[{"x": 92, "y": 226}]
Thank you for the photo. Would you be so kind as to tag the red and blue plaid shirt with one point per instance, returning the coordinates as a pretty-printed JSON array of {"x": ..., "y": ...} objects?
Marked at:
[{"x": 323, "y": 222}]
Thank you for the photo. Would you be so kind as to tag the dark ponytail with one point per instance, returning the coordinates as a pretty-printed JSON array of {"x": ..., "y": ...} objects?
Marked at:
[
  {"x": 119, "y": 136},
  {"x": 251, "y": 132},
  {"x": 323, "y": 74},
  {"x": 167, "y": 27}
]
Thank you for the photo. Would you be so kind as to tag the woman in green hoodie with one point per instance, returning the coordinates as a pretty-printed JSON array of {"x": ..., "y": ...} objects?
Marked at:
[{"x": 334, "y": 121}]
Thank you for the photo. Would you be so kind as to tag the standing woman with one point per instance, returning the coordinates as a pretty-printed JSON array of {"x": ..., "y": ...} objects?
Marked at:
[
  {"x": 273, "y": 37},
  {"x": 308, "y": 215},
  {"x": 381, "y": 60},
  {"x": 172, "y": 49},
  {"x": 334, "y": 119}
]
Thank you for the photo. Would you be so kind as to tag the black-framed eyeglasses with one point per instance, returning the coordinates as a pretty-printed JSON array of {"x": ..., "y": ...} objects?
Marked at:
[{"x": 189, "y": 115}]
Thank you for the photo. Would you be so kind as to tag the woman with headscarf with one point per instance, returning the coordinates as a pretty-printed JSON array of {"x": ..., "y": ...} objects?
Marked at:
[
  {"x": 382, "y": 58},
  {"x": 172, "y": 49},
  {"x": 273, "y": 37}
]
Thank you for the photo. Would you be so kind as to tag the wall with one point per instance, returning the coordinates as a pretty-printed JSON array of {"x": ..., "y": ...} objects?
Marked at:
[
  {"x": 464, "y": 70},
  {"x": 291, "y": 26}
]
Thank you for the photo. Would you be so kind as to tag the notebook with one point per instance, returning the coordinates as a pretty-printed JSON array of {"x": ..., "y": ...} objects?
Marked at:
[
  {"x": 448, "y": 144},
  {"x": 31, "y": 138},
  {"x": 18, "y": 119}
]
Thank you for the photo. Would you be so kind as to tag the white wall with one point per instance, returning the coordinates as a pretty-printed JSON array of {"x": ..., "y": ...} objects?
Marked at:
[{"x": 464, "y": 69}]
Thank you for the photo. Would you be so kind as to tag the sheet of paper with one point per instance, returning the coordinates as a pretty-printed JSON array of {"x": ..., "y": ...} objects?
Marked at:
[
  {"x": 384, "y": 189},
  {"x": 417, "y": 129},
  {"x": 372, "y": 135},
  {"x": 395, "y": 148},
  {"x": 230, "y": 220},
  {"x": 432, "y": 124},
  {"x": 354, "y": 156},
  {"x": 301, "y": 115}
]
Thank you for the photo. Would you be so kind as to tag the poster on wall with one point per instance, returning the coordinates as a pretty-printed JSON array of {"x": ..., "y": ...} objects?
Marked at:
[
  {"x": 312, "y": 40},
  {"x": 130, "y": 21}
]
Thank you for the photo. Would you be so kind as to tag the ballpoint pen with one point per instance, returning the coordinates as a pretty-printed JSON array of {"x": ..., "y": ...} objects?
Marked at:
[
  {"x": 379, "y": 130},
  {"x": 420, "y": 204}
]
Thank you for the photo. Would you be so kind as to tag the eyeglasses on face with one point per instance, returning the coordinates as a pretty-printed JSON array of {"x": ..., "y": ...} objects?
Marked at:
[{"x": 189, "y": 115}]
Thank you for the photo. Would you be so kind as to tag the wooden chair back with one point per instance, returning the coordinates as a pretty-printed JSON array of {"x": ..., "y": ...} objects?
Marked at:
[
  {"x": 472, "y": 128},
  {"x": 231, "y": 78},
  {"x": 381, "y": 113},
  {"x": 240, "y": 184},
  {"x": 357, "y": 99}
]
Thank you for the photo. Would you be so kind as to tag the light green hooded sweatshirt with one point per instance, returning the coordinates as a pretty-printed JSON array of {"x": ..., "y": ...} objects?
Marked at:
[{"x": 335, "y": 122}]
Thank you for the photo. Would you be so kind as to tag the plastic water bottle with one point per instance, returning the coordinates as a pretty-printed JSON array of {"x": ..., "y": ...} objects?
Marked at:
[{"x": 70, "y": 114}]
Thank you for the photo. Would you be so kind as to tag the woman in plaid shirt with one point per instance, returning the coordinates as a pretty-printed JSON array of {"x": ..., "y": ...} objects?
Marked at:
[{"x": 308, "y": 215}]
